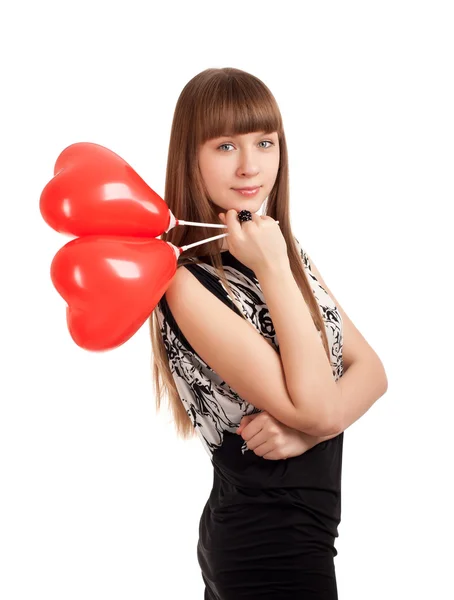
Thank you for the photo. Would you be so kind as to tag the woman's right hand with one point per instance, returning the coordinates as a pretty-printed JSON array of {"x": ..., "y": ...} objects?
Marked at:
[
  {"x": 258, "y": 244},
  {"x": 272, "y": 440}
]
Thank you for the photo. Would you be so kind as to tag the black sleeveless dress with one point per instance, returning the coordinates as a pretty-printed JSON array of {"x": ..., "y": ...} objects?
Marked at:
[{"x": 268, "y": 528}]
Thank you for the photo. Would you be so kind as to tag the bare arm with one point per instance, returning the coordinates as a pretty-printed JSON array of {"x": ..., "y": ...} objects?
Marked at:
[
  {"x": 308, "y": 373},
  {"x": 364, "y": 379},
  {"x": 362, "y": 384}
]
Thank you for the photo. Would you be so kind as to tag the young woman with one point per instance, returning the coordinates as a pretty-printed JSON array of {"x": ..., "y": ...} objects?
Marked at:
[{"x": 249, "y": 334}]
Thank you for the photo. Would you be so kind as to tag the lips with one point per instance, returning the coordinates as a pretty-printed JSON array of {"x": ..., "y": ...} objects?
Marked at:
[
  {"x": 248, "y": 193},
  {"x": 246, "y": 189}
]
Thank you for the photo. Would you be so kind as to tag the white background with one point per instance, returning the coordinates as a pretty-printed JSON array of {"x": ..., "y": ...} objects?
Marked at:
[{"x": 98, "y": 497}]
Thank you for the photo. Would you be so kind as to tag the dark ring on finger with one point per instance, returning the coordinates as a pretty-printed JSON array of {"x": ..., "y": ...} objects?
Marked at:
[{"x": 244, "y": 215}]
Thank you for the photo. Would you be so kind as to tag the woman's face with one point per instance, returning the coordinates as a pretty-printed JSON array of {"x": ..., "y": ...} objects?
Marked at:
[{"x": 230, "y": 162}]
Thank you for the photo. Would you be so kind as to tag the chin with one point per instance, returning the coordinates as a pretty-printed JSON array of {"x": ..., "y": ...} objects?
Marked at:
[{"x": 251, "y": 204}]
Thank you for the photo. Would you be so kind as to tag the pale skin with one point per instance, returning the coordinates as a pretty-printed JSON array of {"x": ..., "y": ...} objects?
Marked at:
[{"x": 252, "y": 159}]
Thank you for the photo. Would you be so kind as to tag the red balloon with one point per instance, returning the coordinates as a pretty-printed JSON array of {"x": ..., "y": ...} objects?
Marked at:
[
  {"x": 111, "y": 286},
  {"x": 95, "y": 192}
]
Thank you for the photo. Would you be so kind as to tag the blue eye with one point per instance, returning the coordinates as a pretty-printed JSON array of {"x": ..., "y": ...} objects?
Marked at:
[{"x": 263, "y": 141}]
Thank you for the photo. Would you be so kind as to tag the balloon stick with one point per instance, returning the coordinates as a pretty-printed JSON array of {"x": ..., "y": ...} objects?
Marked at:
[{"x": 216, "y": 237}]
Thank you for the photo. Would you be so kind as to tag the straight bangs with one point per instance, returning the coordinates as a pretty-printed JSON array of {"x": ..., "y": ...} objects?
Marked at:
[{"x": 231, "y": 106}]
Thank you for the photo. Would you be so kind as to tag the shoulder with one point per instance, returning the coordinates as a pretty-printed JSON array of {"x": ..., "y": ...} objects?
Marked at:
[
  {"x": 181, "y": 280},
  {"x": 191, "y": 285},
  {"x": 303, "y": 254}
]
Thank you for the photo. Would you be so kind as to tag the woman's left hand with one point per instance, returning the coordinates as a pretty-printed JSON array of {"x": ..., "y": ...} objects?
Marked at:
[{"x": 269, "y": 438}]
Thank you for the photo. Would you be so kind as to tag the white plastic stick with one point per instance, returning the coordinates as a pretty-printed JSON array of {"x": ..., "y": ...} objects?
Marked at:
[
  {"x": 216, "y": 237},
  {"x": 181, "y": 222}
]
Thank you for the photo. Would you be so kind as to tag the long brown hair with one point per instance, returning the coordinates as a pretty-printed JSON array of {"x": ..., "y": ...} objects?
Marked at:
[{"x": 214, "y": 102}]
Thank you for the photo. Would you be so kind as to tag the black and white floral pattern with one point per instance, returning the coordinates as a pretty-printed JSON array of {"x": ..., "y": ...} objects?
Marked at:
[{"x": 211, "y": 404}]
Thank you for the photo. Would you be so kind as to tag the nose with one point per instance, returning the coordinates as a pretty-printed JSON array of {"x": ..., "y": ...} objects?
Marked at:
[{"x": 247, "y": 165}]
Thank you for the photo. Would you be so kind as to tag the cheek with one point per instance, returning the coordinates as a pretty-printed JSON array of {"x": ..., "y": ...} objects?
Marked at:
[
  {"x": 273, "y": 170},
  {"x": 274, "y": 163},
  {"x": 217, "y": 175}
]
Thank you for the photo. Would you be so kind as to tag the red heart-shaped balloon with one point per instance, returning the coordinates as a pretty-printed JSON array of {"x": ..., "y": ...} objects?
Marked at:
[
  {"x": 111, "y": 286},
  {"x": 95, "y": 192}
]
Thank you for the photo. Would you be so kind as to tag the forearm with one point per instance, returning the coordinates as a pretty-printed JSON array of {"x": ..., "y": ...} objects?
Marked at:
[
  {"x": 361, "y": 385},
  {"x": 307, "y": 370}
]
